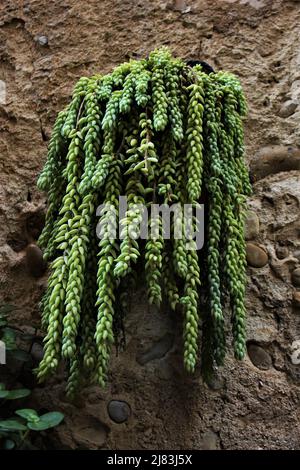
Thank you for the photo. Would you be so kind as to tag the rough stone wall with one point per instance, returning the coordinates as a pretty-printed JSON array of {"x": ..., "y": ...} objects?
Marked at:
[{"x": 44, "y": 48}]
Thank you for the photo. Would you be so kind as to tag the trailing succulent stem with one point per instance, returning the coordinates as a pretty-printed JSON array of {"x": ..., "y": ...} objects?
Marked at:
[{"x": 160, "y": 133}]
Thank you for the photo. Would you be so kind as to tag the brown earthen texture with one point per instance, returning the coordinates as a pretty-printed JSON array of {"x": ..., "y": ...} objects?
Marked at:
[{"x": 45, "y": 46}]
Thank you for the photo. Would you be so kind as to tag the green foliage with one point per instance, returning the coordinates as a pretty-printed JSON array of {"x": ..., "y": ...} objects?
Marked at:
[
  {"x": 43, "y": 422},
  {"x": 14, "y": 432},
  {"x": 156, "y": 131},
  {"x": 32, "y": 421},
  {"x": 13, "y": 394},
  {"x": 8, "y": 425}
]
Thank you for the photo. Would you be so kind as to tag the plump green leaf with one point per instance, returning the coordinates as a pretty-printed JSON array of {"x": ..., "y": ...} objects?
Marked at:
[
  {"x": 53, "y": 418},
  {"x": 38, "y": 426},
  {"x": 4, "y": 393},
  {"x": 29, "y": 414},
  {"x": 2, "y": 386},
  {"x": 12, "y": 425},
  {"x": 48, "y": 420},
  {"x": 9, "y": 444},
  {"x": 19, "y": 393}
]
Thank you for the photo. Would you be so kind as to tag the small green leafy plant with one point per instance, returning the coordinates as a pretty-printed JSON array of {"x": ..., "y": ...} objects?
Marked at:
[{"x": 14, "y": 431}]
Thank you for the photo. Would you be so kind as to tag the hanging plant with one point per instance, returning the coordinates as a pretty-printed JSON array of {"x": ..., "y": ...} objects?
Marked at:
[{"x": 156, "y": 131}]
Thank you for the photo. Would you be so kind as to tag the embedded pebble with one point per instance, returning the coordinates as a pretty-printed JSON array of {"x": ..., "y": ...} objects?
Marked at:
[
  {"x": 216, "y": 383},
  {"x": 282, "y": 252},
  {"x": 259, "y": 357},
  {"x": 261, "y": 330},
  {"x": 296, "y": 277},
  {"x": 274, "y": 159},
  {"x": 296, "y": 254},
  {"x": 41, "y": 40},
  {"x": 296, "y": 299},
  {"x": 37, "y": 352},
  {"x": 34, "y": 260},
  {"x": 288, "y": 108},
  {"x": 256, "y": 256},
  {"x": 157, "y": 351},
  {"x": 251, "y": 225},
  {"x": 119, "y": 411},
  {"x": 209, "y": 441},
  {"x": 295, "y": 355}
]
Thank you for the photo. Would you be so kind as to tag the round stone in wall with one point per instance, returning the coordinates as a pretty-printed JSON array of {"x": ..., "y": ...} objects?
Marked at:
[
  {"x": 119, "y": 411},
  {"x": 41, "y": 40},
  {"x": 209, "y": 441},
  {"x": 259, "y": 357},
  {"x": 296, "y": 254},
  {"x": 288, "y": 108},
  {"x": 282, "y": 252},
  {"x": 37, "y": 352},
  {"x": 296, "y": 299},
  {"x": 256, "y": 256},
  {"x": 215, "y": 382},
  {"x": 34, "y": 260},
  {"x": 296, "y": 277},
  {"x": 295, "y": 354},
  {"x": 251, "y": 225}
]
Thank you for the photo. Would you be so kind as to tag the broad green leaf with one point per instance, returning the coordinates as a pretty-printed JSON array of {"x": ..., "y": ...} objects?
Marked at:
[
  {"x": 12, "y": 425},
  {"x": 53, "y": 418},
  {"x": 19, "y": 393},
  {"x": 4, "y": 393},
  {"x": 38, "y": 426},
  {"x": 48, "y": 420},
  {"x": 9, "y": 444},
  {"x": 2, "y": 386},
  {"x": 29, "y": 414}
]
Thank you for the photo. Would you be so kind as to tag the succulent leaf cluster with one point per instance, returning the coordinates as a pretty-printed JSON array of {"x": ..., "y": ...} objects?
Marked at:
[{"x": 158, "y": 132}]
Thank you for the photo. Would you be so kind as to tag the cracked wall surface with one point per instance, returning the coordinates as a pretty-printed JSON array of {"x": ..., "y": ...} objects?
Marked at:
[{"x": 149, "y": 401}]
